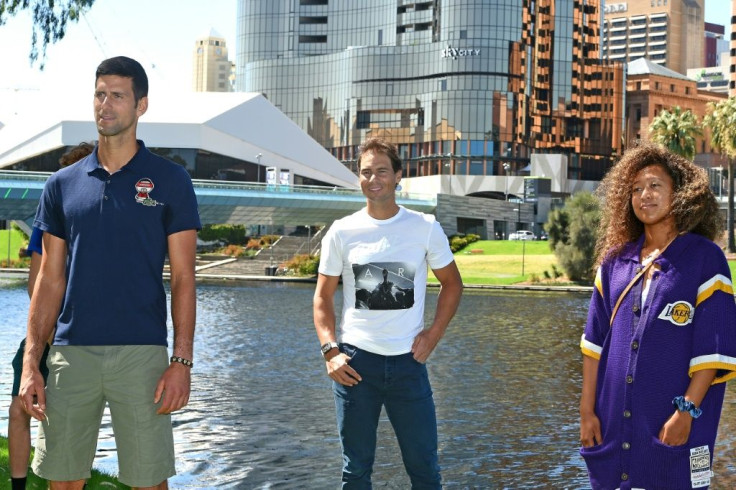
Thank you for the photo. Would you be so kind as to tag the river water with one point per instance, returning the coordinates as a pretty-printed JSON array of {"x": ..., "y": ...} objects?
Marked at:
[{"x": 506, "y": 379}]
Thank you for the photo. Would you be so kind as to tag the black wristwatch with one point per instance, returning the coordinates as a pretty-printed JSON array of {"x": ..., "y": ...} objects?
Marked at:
[{"x": 328, "y": 347}]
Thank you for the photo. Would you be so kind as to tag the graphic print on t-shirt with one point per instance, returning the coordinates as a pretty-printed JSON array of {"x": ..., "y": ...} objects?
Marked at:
[{"x": 384, "y": 286}]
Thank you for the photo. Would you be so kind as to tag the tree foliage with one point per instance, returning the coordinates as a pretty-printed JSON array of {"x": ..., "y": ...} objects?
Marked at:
[
  {"x": 572, "y": 233},
  {"x": 721, "y": 120},
  {"x": 676, "y": 130},
  {"x": 50, "y": 20}
]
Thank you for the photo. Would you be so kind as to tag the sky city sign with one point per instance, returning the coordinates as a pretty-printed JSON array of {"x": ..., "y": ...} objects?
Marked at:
[{"x": 455, "y": 53}]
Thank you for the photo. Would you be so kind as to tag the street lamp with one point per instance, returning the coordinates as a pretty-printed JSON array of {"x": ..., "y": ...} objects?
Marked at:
[
  {"x": 506, "y": 168},
  {"x": 448, "y": 166},
  {"x": 258, "y": 158},
  {"x": 523, "y": 242}
]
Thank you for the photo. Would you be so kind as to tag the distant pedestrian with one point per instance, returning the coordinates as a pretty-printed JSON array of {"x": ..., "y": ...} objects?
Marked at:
[{"x": 660, "y": 340}]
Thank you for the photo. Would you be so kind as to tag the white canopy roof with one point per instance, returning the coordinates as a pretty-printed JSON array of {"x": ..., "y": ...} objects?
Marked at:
[{"x": 236, "y": 124}]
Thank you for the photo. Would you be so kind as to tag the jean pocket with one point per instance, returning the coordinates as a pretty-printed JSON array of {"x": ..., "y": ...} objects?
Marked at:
[{"x": 349, "y": 350}]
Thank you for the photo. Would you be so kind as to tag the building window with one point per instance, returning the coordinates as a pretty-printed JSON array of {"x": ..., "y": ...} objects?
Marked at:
[
  {"x": 380, "y": 37},
  {"x": 363, "y": 120},
  {"x": 672, "y": 87},
  {"x": 313, "y": 20},
  {"x": 463, "y": 34},
  {"x": 312, "y": 2},
  {"x": 312, "y": 39}
]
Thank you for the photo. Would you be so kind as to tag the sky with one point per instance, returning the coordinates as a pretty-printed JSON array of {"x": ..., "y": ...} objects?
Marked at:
[{"x": 160, "y": 34}]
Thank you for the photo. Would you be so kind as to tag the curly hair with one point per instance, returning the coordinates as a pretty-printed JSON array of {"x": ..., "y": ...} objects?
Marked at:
[
  {"x": 694, "y": 205},
  {"x": 76, "y": 153}
]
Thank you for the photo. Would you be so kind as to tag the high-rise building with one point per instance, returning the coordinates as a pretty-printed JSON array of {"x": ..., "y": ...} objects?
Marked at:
[
  {"x": 715, "y": 44},
  {"x": 461, "y": 86},
  {"x": 668, "y": 32},
  {"x": 732, "y": 81},
  {"x": 212, "y": 71}
]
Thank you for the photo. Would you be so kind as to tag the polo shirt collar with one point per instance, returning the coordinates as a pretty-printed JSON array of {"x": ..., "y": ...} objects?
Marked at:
[{"x": 92, "y": 164}]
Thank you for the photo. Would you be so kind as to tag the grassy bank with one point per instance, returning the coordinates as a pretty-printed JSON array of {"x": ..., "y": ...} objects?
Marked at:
[
  {"x": 10, "y": 242},
  {"x": 98, "y": 480},
  {"x": 500, "y": 262}
]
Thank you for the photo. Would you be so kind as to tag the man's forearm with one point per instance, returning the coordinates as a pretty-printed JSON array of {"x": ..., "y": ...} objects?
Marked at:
[
  {"x": 42, "y": 316},
  {"x": 448, "y": 301},
  {"x": 183, "y": 314}
]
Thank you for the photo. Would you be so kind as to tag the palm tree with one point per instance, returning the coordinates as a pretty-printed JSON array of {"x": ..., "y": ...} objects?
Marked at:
[
  {"x": 676, "y": 131},
  {"x": 721, "y": 119}
]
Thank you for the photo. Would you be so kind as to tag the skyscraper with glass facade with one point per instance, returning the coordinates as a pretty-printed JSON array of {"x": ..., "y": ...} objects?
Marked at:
[{"x": 461, "y": 86}]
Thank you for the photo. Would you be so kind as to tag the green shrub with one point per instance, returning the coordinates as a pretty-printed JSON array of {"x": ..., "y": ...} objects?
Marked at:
[
  {"x": 230, "y": 234},
  {"x": 301, "y": 265},
  {"x": 459, "y": 242},
  {"x": 572, "y": 235}
]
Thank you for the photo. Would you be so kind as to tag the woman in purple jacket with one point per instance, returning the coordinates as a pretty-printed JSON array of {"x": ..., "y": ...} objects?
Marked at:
[{"x": 660, "y": 339}]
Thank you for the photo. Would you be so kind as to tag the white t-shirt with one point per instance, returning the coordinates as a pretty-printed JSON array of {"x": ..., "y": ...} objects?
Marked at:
[{"x": 383, "y": 264}]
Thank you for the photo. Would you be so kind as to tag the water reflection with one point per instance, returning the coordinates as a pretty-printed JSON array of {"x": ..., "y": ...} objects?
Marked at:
[{"x": 506, "y": 380}]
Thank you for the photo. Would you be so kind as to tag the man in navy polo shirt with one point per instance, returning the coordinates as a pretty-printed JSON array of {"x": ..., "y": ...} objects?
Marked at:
[{"x": 109, "y": 221}]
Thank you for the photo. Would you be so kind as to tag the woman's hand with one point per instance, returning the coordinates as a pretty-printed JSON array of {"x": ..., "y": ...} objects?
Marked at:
[
  {"x": 590, "y": 430},
  {"x": 676, "y": 431}
]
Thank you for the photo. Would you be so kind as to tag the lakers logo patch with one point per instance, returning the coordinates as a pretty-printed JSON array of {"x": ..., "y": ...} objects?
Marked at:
[{"x": 679, "y": 313}]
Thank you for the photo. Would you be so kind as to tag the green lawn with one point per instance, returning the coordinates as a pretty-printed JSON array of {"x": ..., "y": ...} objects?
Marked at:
[
  {"x": 98, "y": 480},
  {"x": 501, "y": 260},
  {"x": 17, "y": 240}
]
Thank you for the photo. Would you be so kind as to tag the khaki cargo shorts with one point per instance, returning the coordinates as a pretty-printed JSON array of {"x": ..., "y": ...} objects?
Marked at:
[{"x": 81, "y": 380}]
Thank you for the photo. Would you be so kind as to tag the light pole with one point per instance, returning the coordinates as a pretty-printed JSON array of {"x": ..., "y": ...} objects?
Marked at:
[
  {"x": 523, "y": 241},
  {"x": 448, "y": 166},
  {"x": 506, "y": 168},
  {"x": 258, "y": 159}
]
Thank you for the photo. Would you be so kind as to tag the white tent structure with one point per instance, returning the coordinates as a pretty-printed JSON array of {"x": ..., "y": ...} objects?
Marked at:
[{"x": 243, "y": 126}]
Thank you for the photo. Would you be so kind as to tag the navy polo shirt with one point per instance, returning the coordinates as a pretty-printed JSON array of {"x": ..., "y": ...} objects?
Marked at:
[{"x": 116, "y": 229}]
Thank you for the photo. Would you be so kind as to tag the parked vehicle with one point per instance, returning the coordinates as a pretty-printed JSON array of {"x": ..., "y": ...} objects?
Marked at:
[
  {"x": 543, "y": 235},
  {"x": 522, "y": 235}
]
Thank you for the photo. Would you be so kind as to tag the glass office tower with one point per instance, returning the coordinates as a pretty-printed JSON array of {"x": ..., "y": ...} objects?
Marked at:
[{"x": 461, "y": 86}]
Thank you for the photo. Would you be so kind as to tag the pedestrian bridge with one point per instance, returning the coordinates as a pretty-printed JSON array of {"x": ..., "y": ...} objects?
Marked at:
[{"x": 226, "y": 202}]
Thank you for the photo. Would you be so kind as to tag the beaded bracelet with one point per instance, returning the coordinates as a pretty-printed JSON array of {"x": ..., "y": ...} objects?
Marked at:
[
  {"x": 687, "y": 406},
  {"x": 181, "y": 360}
]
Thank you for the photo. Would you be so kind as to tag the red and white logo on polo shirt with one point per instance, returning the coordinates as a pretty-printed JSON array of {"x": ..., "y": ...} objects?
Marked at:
[
  {"x": 143, "y": 188},
  {"x": 679, "y": 313}
]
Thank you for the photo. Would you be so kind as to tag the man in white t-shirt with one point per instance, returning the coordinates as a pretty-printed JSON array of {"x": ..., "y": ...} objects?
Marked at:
[{"x": 382, "y": 253}]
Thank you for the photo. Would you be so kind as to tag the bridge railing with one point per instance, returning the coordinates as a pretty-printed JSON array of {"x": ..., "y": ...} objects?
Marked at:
[{"x": 229, "y": 186}]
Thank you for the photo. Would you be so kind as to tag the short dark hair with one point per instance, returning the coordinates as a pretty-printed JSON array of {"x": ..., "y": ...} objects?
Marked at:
[
  {"x": 123, "y": 66},
  {"x": 379, "y": 145}
]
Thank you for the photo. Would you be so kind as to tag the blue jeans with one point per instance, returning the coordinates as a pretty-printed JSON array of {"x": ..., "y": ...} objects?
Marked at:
[{"x": 401, "y": 385}]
